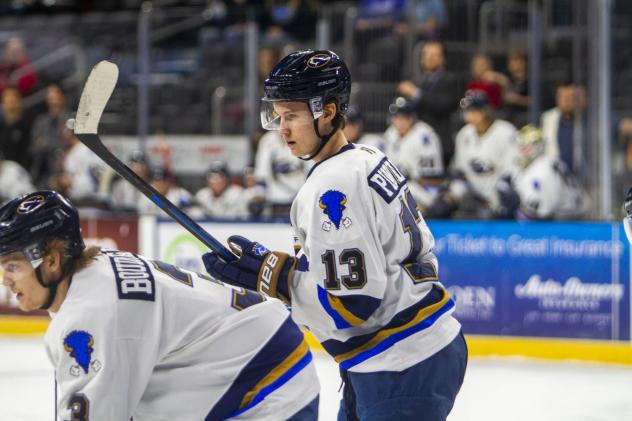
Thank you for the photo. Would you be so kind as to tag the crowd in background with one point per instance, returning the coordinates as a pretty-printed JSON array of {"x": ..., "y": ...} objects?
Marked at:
[{"x": 466, "y": 146}]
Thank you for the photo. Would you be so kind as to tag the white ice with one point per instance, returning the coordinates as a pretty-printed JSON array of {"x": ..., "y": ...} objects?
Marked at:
[{"x": 495, "y": 389}]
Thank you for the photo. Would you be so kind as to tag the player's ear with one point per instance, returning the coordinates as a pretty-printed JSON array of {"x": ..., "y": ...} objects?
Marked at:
[
  {"x": 329, "y": 111},
  {"x": 52, "y": 260}
]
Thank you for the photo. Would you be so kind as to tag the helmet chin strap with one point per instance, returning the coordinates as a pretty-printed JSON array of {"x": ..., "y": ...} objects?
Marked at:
[
  {"x": 323, "y": 138},
  {"x": 52, "y": 286}
]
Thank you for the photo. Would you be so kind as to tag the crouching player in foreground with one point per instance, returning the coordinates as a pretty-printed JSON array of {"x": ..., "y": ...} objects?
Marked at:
[
  {"x": 365, "y": 281},
  {"x": 133, "y": 337}
]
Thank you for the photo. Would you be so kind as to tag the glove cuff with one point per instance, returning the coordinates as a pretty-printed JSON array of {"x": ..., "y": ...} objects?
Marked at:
[{"x": 275, "y": 274}]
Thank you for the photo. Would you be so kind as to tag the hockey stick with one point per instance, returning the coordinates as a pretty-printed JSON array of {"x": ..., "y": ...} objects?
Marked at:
[{"x": 95, "y": 95}]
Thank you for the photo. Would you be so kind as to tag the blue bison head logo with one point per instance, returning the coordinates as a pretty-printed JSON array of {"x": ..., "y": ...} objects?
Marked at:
[
  {"x": 79, "y": 344},
  {"x": 332, "y": 202}
]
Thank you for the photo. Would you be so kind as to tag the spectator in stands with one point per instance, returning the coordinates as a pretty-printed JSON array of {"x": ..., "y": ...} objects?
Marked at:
[
  {"x": 231, "y": 16},
  {"x": 381, "y": 14},
  {"x": 15, "y": 69},
  {"x": 546, "y": 187},
  {"x": 354, "y": 130},
  {"x": 126, "y": 197},
  {"x": 428, "y": 17},
  {"x": 267, "y": 58},
  {"x": 379, "y": 29},
  {"x": 435, "y": 95},
  {"x": 291, "y": 20},
  {"x": 559, "y": 124},
  {"x": 81, "y": 172},
  {"x": 14, "y": 180},
  {"x": 46, "y": 136},
  {"x": 515, "y": 88},
  {"x": 165, "y": 183},
  {"x": 279, "y": 172},
  {"x": 485, "y": 79},
  {"x": 485, "y": 162},
  {"x": 516, "y": 99},
  {"x": 415, "y": 148},
  {"x": 220, "y": 198},
  {"x": 15, "y": 128}
]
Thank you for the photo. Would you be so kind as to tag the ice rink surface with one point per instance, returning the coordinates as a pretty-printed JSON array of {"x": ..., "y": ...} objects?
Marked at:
[{"x": 495, "y": 389}]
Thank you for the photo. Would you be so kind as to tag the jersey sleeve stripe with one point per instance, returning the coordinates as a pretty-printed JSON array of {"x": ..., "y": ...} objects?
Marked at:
[
  {"x": 414, "y": 319},
  {"x": 284, "y": 355},
  {"x": 421, "y": 272}
]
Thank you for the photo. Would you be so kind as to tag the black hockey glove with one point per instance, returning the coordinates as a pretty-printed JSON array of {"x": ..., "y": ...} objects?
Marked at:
[{"x": 257, "y": 268}]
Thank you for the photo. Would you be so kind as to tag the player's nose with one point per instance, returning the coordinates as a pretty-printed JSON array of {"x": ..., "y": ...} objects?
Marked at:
[{"x": 284, "y": 131}]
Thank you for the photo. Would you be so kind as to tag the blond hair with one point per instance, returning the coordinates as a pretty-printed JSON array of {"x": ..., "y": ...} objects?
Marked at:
[{"x": 86, "y": 257}]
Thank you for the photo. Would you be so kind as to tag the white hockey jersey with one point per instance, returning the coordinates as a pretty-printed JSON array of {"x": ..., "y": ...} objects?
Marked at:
[
  {"x": 136, "y": 337},
  {"x": 486, "y": 159},
  {"x": 14, "y": 180},
  {"x": 548, "y": 190},
  {"x": 233, "y": 203},
  {"x": 367, "y": 284},
  {"x": 124, "y": 195},
  {"x": 418, "y": 156},
  {"x": 372, "y": 139},
  {"x": 278, "y": 169},
  {"x": 84, "y": 167}
]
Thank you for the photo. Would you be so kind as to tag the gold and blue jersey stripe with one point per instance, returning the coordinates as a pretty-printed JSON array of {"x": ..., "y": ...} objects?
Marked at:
[
  {"x": 347, "y": 310},
  {"x": 280, "y": 359},
  {"x": 414, "y": 319}
]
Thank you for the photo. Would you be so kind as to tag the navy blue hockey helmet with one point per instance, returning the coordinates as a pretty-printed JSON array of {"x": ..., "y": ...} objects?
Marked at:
[
  {"x": 314, "y": 77},
  {"x": 474, "y": 99},
  {"x": 402, "y": 106},
  {"x": 354, "y": 115},
  {"x": 29, "y": 221}
]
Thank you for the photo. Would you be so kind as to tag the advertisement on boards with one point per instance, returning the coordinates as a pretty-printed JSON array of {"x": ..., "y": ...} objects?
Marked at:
[{"x": 568, "y": 280}]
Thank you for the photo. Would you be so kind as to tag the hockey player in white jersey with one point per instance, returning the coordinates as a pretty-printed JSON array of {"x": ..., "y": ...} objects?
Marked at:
[
  {"x": 134, "y": 337},
  {"x": 547, "y": 189},
  {"x": 364, "y": 280},
  {"x": 485, "y": 160},
  {"x": 279, "y": 173},
  {"x": 14, "y": 180},
  {"x": 415, "y": 148},
  {"x": 221, "y": 198},
  {"x": 354, "y": 130}
]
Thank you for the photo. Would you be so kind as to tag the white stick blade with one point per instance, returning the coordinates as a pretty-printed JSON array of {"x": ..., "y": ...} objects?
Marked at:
[{"x": 95, "y": 96}]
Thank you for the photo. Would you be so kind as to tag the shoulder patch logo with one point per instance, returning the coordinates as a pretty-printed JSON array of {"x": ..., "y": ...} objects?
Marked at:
[
  {"x": 28, "y": 205},
  {"x": 79, "y": 344},
  {"x": 333, "y": 202}
]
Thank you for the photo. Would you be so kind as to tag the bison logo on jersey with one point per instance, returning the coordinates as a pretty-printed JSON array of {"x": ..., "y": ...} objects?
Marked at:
[
  {"x": 333, "y": 202},
  {"x": 79, "y": 344}
]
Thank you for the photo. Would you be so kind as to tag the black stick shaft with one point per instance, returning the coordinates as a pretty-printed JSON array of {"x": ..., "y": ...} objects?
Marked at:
[{"x": 93, "y": 142}]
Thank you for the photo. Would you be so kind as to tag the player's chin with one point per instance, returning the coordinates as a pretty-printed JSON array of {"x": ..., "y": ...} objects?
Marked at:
[
  {"x": 26, "y": 305},
  {"x": 296, "y": 151}
]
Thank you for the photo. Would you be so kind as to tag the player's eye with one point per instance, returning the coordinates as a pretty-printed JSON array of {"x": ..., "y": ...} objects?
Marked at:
[{"x": 11, "y": 267}]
